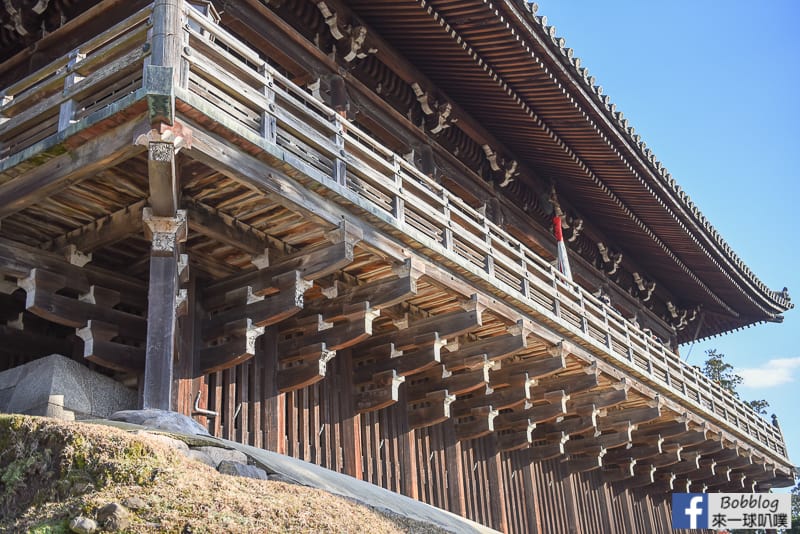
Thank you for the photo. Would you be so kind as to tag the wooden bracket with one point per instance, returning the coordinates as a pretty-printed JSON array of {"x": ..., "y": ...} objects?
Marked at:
[
  {"x": 99, "y": 348},
  {"x": 383, "y": 391},
  {"x": 430, "y": 410}
]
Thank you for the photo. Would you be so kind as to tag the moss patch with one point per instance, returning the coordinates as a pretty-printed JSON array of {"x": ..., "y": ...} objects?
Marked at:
[{"x": 51, "y": 471}]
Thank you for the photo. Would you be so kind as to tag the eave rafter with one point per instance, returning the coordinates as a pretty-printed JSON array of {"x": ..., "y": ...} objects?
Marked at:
[{"x": 565, "y": 148}]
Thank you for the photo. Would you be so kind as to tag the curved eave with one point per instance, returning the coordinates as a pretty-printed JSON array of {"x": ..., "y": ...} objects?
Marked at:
[{"x": 542, "y": 105}]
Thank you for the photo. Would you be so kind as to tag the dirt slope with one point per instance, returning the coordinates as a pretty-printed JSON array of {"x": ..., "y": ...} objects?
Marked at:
[{"x": 52, "y": 471}]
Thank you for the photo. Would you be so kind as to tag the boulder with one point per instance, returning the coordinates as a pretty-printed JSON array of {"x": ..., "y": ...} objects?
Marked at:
[
  {"x": 83, "y": 525},
  {"x": 114, "y": 516},
  {"x": 226, "y": 467},
  {"x": 161, "y": 420},
  {"x": 218, "y": 454}
]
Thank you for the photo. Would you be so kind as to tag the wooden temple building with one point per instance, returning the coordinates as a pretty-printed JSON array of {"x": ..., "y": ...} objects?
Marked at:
[{"x": 324, "y": 228}]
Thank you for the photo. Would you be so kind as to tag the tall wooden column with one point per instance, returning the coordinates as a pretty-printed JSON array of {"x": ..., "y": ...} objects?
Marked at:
[{"x": 163, "y": 299}]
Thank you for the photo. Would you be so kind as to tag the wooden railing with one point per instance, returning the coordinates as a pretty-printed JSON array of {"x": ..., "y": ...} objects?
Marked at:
[
  {"x": 236, "y": 86},
  {"x": 239, "y": 83},
  {"x": 91, "y": 77}
]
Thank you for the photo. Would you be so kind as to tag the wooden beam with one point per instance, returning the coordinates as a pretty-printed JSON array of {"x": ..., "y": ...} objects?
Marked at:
[
  {"x": 101, "y": 232},
  {"x": 555, "y": 408},
  {"x": 383, "y": 391},
  {"x": 225, "y": 229},
  {"x": 238, "y": 347},
  {"x": 308, "y": 370},
  {"x": 547, "y": 449},
  {"x": 261, "y": 311},
  {"x": 403, "y": 363},
  {"x": 101, "y": 152},
  {"x": 447, "y": 325},
  {"x": 314, "y": 262},
  {"x": 99, "y": 348},
  {"x": 532, "y": 367},
  {"x": 43, "y": 301},
  {"x": 584, "y": 464},
  {"x": 636, "y": 415},
  {"x": 600, "y": 398},
  {"x": 494, "y": 348},
  {"x": 18, "y": 260},
  {"x": 336, "y": 336},
  {"x": 430, "y": 410},
  {"x": 479, "y": 423},
  {"x": 380, "y": 294}
]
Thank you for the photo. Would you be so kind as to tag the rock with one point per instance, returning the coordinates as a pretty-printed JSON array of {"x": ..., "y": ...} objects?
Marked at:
[
  {"x": 226, "y": 467},
  {"x": 83, "y": 525},
  {"x": 161, "y": 420},
  {"x": 218, "y": 454},
  {"x": 278, "y": 477},
  {"x": 114, "y": 516},
  {"x": 135, "y": 503},
  {"x": 201, "y": 457},
  {"x": 166, "y": 440}
]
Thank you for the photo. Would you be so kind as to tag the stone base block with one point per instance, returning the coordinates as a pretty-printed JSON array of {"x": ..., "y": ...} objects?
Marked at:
[{"x": 56, "y": 386}]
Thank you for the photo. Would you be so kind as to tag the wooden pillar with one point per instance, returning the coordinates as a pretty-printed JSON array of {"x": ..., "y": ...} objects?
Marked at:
[
  {"x": 497, "y": 496},
  {"x": 273, "y": 422},
  {"x": 351, "y": 421},
  {"x": 455, "y": 472},
  {"x": 185, "y": 385},
  {"x": 528, "y": 473},
  {"x": 409, "y": 482},
  {"x": 167, "y": 233}
]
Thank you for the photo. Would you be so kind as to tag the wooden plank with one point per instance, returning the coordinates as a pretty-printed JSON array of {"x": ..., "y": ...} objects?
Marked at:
[
  {"x": 104, "y": 231},
  {"x": 86, "y": 160},
  {"x": 498, "y": 499}
]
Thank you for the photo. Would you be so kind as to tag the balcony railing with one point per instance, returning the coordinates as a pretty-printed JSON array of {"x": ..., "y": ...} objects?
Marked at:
[
  {"x": 234, "y": 85},
  {"x": 90, "y": 78}
]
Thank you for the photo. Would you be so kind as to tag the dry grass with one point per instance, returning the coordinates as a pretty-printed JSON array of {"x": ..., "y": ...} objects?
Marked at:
[{"x": 51, "y": 471}]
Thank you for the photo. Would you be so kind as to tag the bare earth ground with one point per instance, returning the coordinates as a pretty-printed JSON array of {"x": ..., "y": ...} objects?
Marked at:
[{"x": 52, "y": 471}]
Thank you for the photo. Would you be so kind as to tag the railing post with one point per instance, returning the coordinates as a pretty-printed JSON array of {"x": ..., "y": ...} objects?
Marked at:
[
  {"x": 556, "y": 295},
  {"x": 339, "y": 165},
  {"x": 269, "y": 124},
  {"x": 398, "y": 204},
  {"x": 162, "y": 73},
  {"x": 66, "y": 112},
  {"x": 447, "y": 233}
]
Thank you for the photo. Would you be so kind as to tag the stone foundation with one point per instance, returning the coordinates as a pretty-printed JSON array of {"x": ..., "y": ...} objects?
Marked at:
[{"x": 56, "y": 386}]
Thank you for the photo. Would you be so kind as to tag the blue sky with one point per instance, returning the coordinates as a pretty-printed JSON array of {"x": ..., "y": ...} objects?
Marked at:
[{"x": 712, "y": 87}]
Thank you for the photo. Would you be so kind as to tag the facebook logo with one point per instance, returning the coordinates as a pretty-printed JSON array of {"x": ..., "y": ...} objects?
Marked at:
[{"x": 689, "y": 510}]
